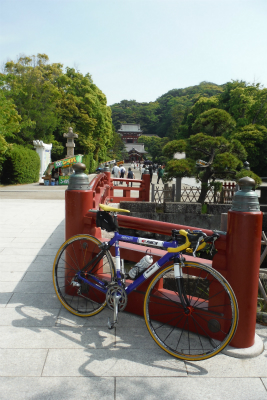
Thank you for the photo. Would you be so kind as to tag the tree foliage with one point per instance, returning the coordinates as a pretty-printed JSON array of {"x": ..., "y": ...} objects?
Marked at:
[
  {"x": 220, "y": 159},
  {"x": 117, "y": 149},
  {"x": 254, "y": 140},
  {"x": 154, "y": 145},
  {"x": 214, "y": 122},
  {"x": 9, "y": 125},
  {"x": 167, "y": 116},
  {"x": 233, "y": 110},
  {"x": 49, "y": 100}
]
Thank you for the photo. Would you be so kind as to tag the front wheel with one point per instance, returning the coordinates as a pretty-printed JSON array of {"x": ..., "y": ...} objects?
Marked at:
[
  {"x": 199, "y": 330},
  {"x": 78, "y": 258}
]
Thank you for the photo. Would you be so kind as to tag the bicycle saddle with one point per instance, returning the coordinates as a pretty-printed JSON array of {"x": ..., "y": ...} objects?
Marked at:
[{"x": 112, "y": 209}]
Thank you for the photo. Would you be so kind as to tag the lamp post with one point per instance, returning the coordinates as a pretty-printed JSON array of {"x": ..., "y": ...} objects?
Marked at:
[{"x": 70, "y": 142}]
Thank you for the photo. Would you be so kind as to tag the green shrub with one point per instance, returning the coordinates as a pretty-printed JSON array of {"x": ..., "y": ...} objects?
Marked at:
[{"x": 22, "y": 165}]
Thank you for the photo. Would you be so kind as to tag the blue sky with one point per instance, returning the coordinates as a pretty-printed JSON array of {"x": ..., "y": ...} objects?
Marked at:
[{"x": 140, "y": 49}]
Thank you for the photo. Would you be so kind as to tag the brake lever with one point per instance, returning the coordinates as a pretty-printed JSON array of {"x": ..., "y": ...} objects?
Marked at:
[{"x": 213, "y": 244}]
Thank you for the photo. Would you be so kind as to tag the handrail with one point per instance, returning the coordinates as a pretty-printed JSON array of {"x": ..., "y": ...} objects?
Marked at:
[
  {"x": 126, "y": 180},
  {"x": 97, "y": 179},
  {"x": 148, "y": 225}
]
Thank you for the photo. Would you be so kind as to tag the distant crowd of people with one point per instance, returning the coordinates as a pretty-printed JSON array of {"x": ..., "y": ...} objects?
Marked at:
[
  {"x": 120, "y": 171},
  {"x": 153, "y": 167}
]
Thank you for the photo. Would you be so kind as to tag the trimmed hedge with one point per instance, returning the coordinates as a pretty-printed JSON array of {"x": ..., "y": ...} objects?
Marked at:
[{"x": 22, "y": 165}]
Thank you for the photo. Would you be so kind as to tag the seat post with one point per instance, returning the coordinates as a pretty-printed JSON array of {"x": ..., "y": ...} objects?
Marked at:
[{"x": 116, "y": 221}]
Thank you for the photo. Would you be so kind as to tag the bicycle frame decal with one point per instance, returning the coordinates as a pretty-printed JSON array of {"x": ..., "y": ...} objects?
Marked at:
[
  {"x": 151, "y": 270},
  {"x": 158, "y": 243},
  {"x": 118, "y": 258},
  {"x": 139, "y": 240}
]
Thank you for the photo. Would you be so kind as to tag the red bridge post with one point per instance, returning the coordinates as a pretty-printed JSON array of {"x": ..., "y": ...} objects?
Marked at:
[
  {"x": 78, "y": 199},
  {"x": 243, "y": 245},
  {"x": 145, "y": 193}
]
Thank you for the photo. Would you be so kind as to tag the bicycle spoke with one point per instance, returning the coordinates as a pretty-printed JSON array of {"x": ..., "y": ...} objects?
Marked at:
[
  {"x": 186, "y": 332},
  {"x": 76, "y": 289}
]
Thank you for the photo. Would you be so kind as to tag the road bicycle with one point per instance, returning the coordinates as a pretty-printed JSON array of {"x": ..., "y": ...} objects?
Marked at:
[{"x": 190, "y": 309}]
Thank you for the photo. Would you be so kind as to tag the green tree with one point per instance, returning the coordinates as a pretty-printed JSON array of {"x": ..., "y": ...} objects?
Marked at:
[
  {"x": 9, "y": 118},
  {"x": 9, "y": 125},
  {"x": 117, "y": 149},
  {"x": 247, "y": 103},
  {"x": 82, "y": 106},
  {"x": 214, "y": 122},
  {"x": 50, "y": 100},
  {"x": 30, "y": 84},
  {"x": 154, "y": 145},
  {"x": 221, "y": 159},
  {"x": 130, "y": 111},
  {"x": 254, "y": 140}
]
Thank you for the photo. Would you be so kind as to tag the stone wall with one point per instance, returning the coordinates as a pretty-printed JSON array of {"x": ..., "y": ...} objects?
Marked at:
[
  {"x": 177, "y": 213},
  {"x": 188, "y": 214}
]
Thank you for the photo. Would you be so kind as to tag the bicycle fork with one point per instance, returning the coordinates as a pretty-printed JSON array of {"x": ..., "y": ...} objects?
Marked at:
[{"x": 178, "y": 273}]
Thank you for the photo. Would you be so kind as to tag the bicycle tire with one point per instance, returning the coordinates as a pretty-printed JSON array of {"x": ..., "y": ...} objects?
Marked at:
[
  {"x": 80, "y": 298},
  {"x": 212, "y": 318}
]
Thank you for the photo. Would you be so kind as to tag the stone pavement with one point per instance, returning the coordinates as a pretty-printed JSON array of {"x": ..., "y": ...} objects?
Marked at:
[{"x": 48, "y": 353}]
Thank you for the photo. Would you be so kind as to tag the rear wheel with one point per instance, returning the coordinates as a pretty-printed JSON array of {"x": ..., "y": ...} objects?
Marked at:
[
  {"x": 205, "y": 326},
  {"x": 77, "y": 296}
]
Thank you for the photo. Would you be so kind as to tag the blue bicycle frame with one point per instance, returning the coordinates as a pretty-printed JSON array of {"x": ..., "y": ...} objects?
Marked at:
[{"x": 99, "y": 285}]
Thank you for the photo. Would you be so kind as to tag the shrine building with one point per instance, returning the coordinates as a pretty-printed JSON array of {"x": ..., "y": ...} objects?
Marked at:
[{"x": 130, "y": 134}]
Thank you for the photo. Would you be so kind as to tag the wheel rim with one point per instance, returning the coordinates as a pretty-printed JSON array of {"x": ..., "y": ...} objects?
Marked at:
[
  {"x": 77, "y": 296},
  {"x": 209, "y": 321}
]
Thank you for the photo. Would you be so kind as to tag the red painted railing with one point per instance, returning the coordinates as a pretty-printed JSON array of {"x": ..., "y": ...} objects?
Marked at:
[{"x": 237, "y": 259}]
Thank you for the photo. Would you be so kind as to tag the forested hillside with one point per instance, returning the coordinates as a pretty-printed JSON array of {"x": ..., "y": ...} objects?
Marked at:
[
  {"x": 164, "y": 116},
  {"x": 236, "y": 111}
]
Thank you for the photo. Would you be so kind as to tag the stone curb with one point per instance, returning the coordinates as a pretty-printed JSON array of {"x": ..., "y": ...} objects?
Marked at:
[{"x": 249, "y": 352}]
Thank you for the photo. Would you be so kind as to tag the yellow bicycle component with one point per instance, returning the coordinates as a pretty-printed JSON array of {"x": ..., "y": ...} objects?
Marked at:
[
  {"x": 183, "y": 246},
  {"x": 201, "y": 246},
  {"x": 112, "y": 209}
]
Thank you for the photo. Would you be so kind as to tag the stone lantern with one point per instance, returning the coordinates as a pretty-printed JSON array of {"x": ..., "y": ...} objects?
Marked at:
[{"x": 70, "y": 142}]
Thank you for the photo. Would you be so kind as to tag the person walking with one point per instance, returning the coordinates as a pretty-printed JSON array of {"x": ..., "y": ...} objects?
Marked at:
[
  {"x": 160, "y": 174},
  {"x": 116, "y": 172},
  {"x": 142, "y": 170},
  {"x": 130, "y": 175},
  {"x": 122, "y": 172}
]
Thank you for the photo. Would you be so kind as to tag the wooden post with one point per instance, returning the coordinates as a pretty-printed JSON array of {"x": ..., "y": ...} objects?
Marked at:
[{"x": 178, "y": 189}]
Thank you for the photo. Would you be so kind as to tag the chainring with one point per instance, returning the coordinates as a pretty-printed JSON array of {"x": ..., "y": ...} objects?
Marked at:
[{"x": 116, "y": 290}]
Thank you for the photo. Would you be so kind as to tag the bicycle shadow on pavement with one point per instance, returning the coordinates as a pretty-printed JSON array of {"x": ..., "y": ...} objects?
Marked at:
[
  {"x": 85, "y": 347},
  {"x": 76, "y": 345}
]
